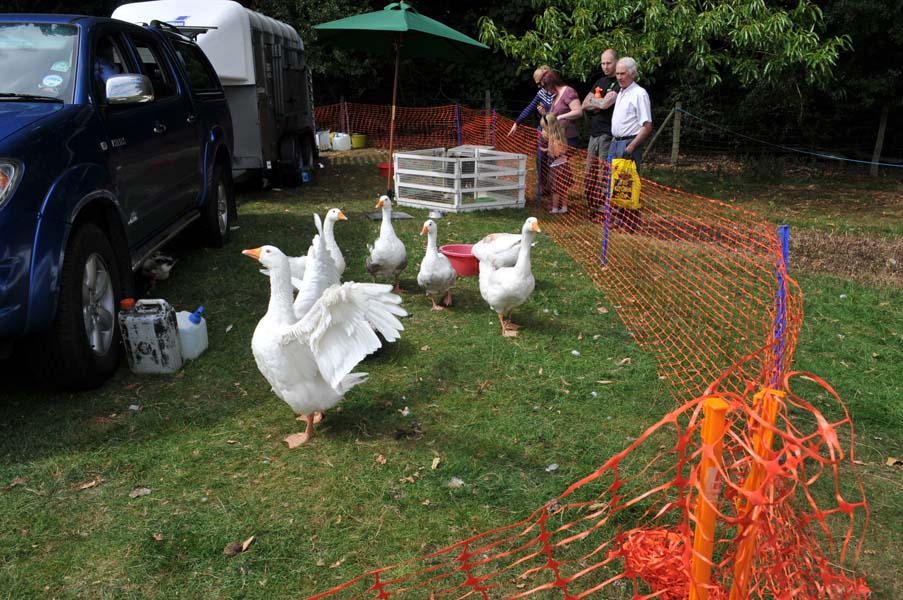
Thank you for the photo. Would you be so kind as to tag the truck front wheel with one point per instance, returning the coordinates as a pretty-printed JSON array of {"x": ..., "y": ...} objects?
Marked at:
[{"x": 81, "y": 349}]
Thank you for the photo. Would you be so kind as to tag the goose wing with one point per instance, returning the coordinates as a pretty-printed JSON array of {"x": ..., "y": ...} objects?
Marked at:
[
  {"x": 341, "y": 326},
  {"x": 498, "y": 249}
]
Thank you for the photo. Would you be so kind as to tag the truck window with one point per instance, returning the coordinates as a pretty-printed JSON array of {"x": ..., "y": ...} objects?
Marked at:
[
  {"x": 154, "y": 66},
  {"x": 201, "y": 76},
  {"x": 38, "y": 58},
  {"x": 107, "y": 62}
]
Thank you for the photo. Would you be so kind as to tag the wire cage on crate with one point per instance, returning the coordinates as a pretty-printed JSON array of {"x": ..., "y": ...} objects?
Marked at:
[{"x": 460, "y": 179}]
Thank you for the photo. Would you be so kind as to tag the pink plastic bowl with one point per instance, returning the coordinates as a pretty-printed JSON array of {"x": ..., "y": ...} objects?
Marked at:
[{"x": 463, "y": 262}]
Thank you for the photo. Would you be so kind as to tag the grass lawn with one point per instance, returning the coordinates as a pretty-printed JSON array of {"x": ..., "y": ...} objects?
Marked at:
[{"x": 136, "y": 489}]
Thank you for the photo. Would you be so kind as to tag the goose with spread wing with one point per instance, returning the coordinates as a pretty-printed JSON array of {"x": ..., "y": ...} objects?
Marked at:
[{"x": 308, "y": 362}]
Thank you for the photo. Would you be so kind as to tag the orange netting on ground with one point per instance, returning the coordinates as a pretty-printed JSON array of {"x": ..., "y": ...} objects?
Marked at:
[{"x": 755, "y": 499}]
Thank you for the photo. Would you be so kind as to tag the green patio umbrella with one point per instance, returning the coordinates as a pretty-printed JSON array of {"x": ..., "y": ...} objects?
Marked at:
[{"x": 399, "y": 30}]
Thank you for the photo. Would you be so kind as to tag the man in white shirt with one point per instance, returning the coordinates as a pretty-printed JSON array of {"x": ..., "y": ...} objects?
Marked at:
[{"x": 631, "y": 121}]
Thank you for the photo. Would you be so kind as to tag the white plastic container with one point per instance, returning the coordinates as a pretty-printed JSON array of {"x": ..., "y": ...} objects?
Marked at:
[
  {"x": 323, "y": 139},
  {"x": 192, "y": 333},
  {"x": 151, "y": 336},
  {"x": 341, "y": 141}
]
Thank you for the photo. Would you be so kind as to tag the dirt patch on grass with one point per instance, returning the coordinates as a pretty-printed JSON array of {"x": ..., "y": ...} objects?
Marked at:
[{"x": 868, "y": 259}]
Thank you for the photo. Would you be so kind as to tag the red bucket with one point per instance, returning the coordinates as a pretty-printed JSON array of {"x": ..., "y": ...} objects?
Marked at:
[
  {"x": 461, "y": 258},
  {"x": 385, "y": 169}
]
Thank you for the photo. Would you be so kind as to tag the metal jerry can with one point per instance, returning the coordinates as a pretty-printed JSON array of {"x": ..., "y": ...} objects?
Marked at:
[{"x": 150, "y": 335}]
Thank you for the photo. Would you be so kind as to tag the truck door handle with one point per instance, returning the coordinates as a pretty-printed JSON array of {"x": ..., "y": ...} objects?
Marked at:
[
  {"x": 159, "y": 127},
  {"x": 191, "y": 119}
]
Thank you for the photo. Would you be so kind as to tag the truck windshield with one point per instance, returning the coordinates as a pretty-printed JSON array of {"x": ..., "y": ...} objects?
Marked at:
[{"x": 37, "y": 61}]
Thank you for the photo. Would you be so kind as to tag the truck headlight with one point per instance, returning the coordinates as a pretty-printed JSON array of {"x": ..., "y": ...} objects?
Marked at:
[{"x": 9, "y": 176}]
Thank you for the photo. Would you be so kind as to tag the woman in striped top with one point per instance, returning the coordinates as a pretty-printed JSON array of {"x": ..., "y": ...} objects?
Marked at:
[{"x": 542, "y": 97}]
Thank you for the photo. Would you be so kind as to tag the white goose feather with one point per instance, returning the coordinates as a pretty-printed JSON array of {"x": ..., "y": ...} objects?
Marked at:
[
  {"x": 299, "y": 263},
  {"x": 501, "y": 249}
]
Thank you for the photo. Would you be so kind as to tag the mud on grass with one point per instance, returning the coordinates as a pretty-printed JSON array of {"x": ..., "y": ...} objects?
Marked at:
[{"x": 863, "y": 258}]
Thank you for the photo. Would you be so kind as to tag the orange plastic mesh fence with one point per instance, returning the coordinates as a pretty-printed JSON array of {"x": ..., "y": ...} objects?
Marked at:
[{"x": 703, "y": 286}]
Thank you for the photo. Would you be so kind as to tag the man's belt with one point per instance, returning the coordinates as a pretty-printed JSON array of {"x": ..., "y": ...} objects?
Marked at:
[{"x": 622, "y": 138}]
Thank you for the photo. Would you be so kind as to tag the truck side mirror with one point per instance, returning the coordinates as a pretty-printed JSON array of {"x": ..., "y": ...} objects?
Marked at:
[{"x": 129, "y": 89}]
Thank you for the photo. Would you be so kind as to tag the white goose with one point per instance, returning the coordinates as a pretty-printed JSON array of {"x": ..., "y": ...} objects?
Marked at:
[
  {"x": 506, "y": 288},
  {"x": 500, "y": 249},
  {"x": 308, "y": 362},
  {"x": 388, "y": 256},
  {"x": 319, "y": 274},
  {"x": 298, "y": 263},
  {"x": 436, "y": 274}
]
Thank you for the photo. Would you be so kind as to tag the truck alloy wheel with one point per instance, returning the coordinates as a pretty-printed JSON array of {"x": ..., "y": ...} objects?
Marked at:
[
  {"x": 98, "y": 305},
  {"x": 81, "y": 348},
  {"x": 219, "y": 210}
]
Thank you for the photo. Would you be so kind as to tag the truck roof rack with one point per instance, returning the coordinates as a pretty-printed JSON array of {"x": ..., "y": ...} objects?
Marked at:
[
  {"x": 164, "y": 25},
  {"x": 193, "y": 31}
]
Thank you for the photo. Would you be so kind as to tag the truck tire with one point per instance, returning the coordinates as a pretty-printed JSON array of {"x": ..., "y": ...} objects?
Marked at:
[
  {"x": 81, "y": 349},
  {"x": 290, "y": 161},
  {"x": 219, "y": 210}
]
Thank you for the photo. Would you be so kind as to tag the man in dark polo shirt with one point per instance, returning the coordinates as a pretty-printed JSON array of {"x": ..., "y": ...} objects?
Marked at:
[{"x": 599, "y": 105}]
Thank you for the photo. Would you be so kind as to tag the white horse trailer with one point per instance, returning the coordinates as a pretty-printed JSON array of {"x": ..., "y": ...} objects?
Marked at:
[{"x": 261, "y": 64}]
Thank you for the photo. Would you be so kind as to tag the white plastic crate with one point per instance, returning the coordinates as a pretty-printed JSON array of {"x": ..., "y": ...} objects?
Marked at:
[{"x": 460, "y": 179}]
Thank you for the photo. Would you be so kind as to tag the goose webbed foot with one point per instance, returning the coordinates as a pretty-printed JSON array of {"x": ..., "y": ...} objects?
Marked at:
[{"x": 299, "y": 439}]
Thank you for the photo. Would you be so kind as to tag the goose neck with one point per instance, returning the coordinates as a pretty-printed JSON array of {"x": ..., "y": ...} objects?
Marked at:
[
  {"x": 523, "y": 254},
  {"x": 431, "y": 242},
  {"x": 281, "y": 294}
]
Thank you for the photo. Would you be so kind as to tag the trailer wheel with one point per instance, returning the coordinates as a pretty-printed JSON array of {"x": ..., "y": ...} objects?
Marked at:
[
  {"x": 290, "y": 160},
  {"x": 307, "y": 153}
]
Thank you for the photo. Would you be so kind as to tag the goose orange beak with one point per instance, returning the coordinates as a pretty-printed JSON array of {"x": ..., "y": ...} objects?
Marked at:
[
  {"x": 253, "y": 253},
  {"x": 379, "y": 203},
  {"x": 535, "y": 227},
  {"x": 424, "y": 230},
  {"x": 342, "y": 216}
]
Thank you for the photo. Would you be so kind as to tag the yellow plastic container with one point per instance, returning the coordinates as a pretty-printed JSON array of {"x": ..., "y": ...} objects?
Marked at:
[{"x": 358, "y": 140}]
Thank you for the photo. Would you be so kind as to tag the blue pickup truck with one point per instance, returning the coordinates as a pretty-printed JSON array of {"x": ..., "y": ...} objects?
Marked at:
[{"x": 114, "y": 137}]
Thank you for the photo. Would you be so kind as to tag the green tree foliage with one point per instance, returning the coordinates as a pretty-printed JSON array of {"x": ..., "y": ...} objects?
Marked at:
[
  {"x": 872, "y": 75},
  {"x": 697, "y": 40}
]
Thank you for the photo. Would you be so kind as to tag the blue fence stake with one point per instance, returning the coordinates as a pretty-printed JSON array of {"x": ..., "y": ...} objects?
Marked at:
[
  {"x": 780, "y": 317},
  {"x": 607, "y": 221},
  {"x": 458, "y": 122}
]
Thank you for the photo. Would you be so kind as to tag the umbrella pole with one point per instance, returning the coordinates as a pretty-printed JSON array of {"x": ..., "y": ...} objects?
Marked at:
[{"x": 391, "y": 169}]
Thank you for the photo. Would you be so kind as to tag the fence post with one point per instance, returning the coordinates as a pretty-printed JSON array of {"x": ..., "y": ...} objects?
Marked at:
[
  {"x": 458, "y": 122},
  {"x": 780, "y": 301},
  {"x": 675, "y": 134},
  {"x": 658, "y": 132},
  {"x": 879, "y": 142},
  {"x": 493, "y": 125},
  {"x": 538, "y": 169},
  {"x": 766, "y": 404},
  {"x": 714, "y": 412},
  {"x": 488, "y": 101},
  {"x": 606, "y": 223}
]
